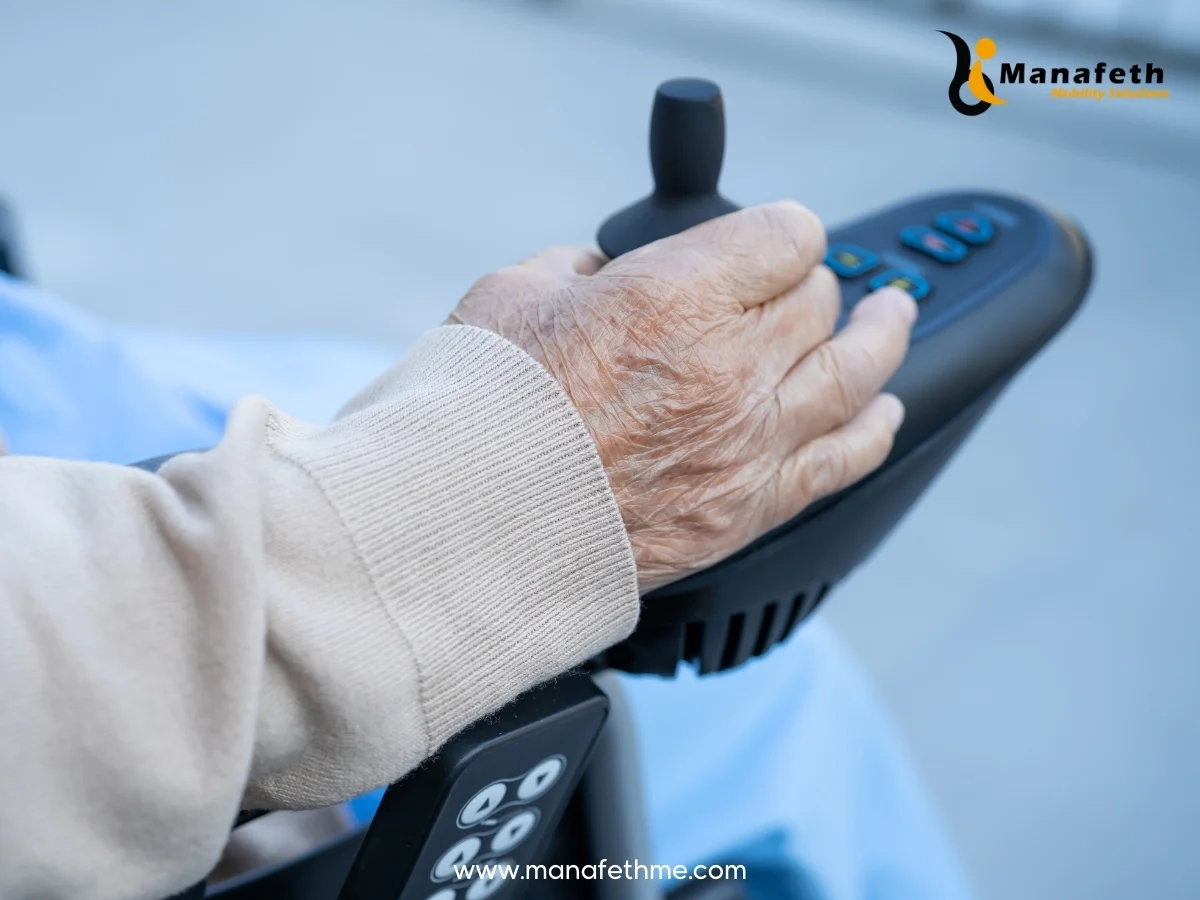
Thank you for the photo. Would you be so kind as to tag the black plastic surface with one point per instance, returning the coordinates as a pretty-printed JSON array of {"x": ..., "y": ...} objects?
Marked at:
[
  {"x": 11, "y": 257},
  {"x": 317, "y": 875},
  {"x": 493, "y": 794}
]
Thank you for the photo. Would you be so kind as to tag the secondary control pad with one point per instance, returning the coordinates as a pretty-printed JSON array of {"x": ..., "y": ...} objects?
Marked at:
[{"x": 464, "y": 825}]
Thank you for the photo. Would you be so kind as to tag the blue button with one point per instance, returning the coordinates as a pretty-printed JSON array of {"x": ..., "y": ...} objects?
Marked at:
[
  {"x": 934, "y": 243},
  {"x": 966, "y": 226},
  {"x": 849, "y": 260},
  {"x": 906, "y": 281}
]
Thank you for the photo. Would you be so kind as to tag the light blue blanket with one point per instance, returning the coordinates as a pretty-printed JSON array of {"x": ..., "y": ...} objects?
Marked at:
[{"x": 789, "y": 762}]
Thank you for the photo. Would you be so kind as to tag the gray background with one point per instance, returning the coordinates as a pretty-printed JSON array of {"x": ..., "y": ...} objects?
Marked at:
[{"x": 351, "y": 168}]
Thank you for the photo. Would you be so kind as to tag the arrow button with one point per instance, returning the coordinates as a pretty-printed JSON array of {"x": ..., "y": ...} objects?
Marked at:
[{"x": 541, "y": 778}]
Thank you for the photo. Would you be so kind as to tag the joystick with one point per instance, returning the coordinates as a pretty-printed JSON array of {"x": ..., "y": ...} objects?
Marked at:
[{"x": 687, "y": 147}]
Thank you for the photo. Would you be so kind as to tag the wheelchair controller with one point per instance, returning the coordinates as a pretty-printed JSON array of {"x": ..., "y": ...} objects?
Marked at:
[{"x": 995, "y": 278}]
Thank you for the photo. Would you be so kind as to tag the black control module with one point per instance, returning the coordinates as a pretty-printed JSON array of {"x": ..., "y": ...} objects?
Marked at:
[
  {"x": 461, "y": 825},
  {"x": 995, "y": 278}
]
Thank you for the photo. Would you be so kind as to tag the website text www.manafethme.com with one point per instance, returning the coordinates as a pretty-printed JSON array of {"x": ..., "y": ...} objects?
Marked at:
[{"x": 501, "y": 871}]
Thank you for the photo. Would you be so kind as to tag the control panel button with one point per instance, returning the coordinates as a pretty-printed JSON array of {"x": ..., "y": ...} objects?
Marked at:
[
  {"x": 540, "y": 778},
  {"x": 906, "y": 281},
  {"x": 484, "y": 886},
  {"x": 483, "y": 804},
  {"x": 514, "y": 831},
  {"x": 940, "y": 246},
  {"x": 849, "y": 260},
  {"x": 460, "y": 854},
  {"x": 971, "y": 227}
]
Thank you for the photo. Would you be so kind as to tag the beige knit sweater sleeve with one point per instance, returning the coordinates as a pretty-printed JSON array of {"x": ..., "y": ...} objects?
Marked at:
[{"x": 296, "y": 616}]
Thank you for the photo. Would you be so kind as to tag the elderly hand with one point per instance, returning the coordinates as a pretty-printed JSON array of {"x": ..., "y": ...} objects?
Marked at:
[{"x": 706, "y": 369}]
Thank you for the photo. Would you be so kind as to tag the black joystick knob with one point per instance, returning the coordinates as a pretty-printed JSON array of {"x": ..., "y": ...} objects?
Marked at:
[{"x": 687, "y": 146}]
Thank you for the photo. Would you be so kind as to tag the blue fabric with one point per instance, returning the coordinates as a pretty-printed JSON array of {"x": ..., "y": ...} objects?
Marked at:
[{"x": 788, "y": 763}]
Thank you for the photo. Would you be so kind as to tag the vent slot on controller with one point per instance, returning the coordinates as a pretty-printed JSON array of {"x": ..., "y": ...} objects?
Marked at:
[{"x": 714, "y": 645}]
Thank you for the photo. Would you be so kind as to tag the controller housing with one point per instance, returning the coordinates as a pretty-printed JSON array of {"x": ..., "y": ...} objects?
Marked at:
[{"x": 988, "y": 303}]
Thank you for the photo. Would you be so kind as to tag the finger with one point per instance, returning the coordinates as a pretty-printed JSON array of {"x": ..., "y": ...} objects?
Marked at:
[
  {"x": 564, "y": 263},
  {"x": 742, "y": 259},
  {"x": 830, "y": 385},
  {"x": 789, "y": 327},
  {"x": 840, "y": 458}
]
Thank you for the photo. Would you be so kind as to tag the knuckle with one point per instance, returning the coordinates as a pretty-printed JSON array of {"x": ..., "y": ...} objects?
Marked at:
[
  {"x": 828, "y": 297},
  {"x": 501, "y": 280},
  {"x": 553, "y": 255},
  {"x": 719, "y": 518},
  {"x": 836, "y": 392},
  {"x": 827, "y": 470},
  {"x": 801, "y": 225},
  {"x": 776, "y": 417}
]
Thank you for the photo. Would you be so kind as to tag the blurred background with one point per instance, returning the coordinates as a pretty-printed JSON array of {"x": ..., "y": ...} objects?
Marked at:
[{"x": 351, "y": 168}]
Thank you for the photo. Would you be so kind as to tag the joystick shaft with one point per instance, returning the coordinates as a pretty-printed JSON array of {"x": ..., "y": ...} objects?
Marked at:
[{"x": 687, "y": 138}]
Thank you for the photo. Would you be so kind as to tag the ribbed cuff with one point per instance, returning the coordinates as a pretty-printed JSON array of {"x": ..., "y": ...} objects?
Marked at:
[{"x": 480, "y": 508}]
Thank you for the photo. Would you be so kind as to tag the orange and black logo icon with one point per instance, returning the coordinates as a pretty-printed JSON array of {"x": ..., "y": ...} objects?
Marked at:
[{"x": 972, "y": 75}]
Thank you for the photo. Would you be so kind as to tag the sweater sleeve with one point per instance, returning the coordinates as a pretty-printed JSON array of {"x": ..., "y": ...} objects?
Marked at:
[{"x": 294, "y": 617}]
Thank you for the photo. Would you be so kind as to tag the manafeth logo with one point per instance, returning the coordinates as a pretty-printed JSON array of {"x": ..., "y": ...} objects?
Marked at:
[
  {"x": 973, "y": 76},
  {"x": 970, "y": 75}
]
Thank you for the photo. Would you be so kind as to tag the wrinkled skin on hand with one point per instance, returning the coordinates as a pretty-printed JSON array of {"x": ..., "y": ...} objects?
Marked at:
[{"x": 705, "y": 367}]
